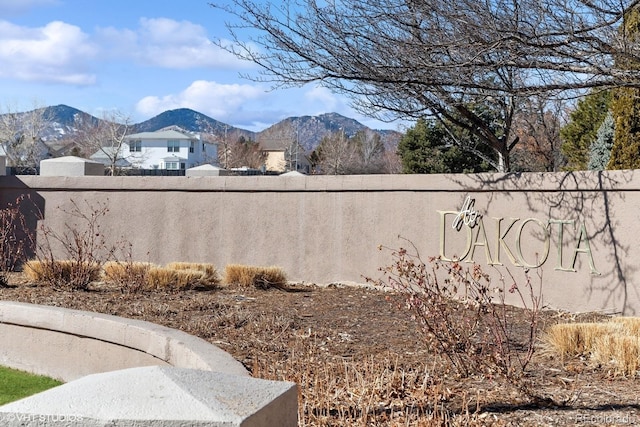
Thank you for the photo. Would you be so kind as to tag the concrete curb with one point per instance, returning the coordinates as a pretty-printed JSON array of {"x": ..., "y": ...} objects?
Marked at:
[
  {"x": 68, "y": 344},
  {"x": 112, "y": 365}
]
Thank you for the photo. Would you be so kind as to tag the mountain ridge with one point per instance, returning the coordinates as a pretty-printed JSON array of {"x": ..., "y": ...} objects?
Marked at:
[{"x": 307, "y": 130}]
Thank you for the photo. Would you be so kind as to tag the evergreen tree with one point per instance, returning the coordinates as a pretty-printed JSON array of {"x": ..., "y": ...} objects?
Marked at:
[
  {"x": 600, "y": 150},
  {"x": 625, "y": 106},
  {"x": 429, "y": 148},
  {"x": 578, "y": 135}
]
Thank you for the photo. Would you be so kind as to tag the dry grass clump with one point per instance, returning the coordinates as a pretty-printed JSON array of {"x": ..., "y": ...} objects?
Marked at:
[
  {"x": 206, "y": 274},
  {"x": 630, "y": 324},
  {"x": 62, "y": 273},
  {"x": 259, "y": 277},
  {"x": 621, "y": 351},
  {"x": 115, "y": 271},
  {"x": 161, "y": 278},
  {"x": 614, "y": 343},
  {"x": 35, "y": 270},
  {"x": 176, "y": 276},
  {"x": 576, "y": 339},
  {"x": 130, "y": 276},
  {"x": 376, "y": 390}
]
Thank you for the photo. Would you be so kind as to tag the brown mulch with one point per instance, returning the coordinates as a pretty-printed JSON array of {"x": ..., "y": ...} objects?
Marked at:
[{"x": 354, "y": 324}]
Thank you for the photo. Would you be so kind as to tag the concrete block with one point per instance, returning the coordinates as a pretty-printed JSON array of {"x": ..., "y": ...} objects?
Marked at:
[
  {"x": 68, "y": 344},
  {"x": 206, "y": 170},
  {"x": 70, "y": 166},
  {"x": 3, "y": 165},
  {"x": 159, "y": 396}
]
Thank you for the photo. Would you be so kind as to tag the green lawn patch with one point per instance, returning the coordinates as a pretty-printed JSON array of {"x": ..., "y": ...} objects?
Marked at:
[{"x": 16, "y": 384}]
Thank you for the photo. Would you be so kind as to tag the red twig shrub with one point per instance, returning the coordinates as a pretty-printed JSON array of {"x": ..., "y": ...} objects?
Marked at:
[{"x": 462, "y": 314}]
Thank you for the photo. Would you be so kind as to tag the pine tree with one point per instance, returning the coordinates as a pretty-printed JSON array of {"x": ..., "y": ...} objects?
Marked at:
[
  {"x": 429, "y": 148},
  {"x": 578, "y": 135},
  {"x": 625, "y": 106},
  {"x": 600, "y": 150}
]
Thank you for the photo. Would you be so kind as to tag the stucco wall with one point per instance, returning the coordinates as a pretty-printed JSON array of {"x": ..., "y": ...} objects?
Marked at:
[{"x": 326, "y": 229}]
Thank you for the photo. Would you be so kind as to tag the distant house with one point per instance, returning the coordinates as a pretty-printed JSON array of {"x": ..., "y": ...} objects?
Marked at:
[
  {"x": 32, "y": 156},
  {"x": 283, "y": 155},
  {"x": 105, "y": 155},
  {"x": 170, "y": 148}
]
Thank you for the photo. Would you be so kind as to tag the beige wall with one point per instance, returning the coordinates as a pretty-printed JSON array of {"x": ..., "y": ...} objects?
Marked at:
[
  {"x": 275, "y": 161},
  {"x": 326, "y": 229}
]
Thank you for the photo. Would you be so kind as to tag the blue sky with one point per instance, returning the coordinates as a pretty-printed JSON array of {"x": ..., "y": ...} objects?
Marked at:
[{"x": 140, "y": 58}]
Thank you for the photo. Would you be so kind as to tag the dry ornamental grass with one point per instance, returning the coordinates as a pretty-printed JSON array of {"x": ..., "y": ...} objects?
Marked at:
[{"x": 614, "y": 344}]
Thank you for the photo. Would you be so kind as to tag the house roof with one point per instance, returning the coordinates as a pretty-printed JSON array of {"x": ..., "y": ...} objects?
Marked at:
[
  {"x": 174, "y": 159},
  {"x": 104, "y": 153},
  {"x": 278, "y": 144},
  {"x": 161, "y": 134},
  {"x": 101, "y": 156}
]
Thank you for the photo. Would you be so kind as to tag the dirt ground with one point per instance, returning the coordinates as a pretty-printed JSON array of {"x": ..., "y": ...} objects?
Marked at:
[{"x": 267, "y": 330}]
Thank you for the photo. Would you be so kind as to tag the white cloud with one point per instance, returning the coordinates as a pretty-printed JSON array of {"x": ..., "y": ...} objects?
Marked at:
[
  {"x": 57, "y": 52},
  {"x": 219, "y": 101},
  {"x": 167, "y": 43},
  {"x": 328, "y": 101}
]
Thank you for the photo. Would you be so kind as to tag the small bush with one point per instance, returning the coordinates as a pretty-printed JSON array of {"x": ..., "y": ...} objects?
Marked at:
[
  {"x": 82, "y": 241},
  {"x": 15, "y": 239},
  {"x": 463, "y": 315},
  {"x": 259, "y": 277},
  {"x": 61, "y": 274}
]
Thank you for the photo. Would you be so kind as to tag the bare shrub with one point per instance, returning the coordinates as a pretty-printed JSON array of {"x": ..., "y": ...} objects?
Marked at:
[
  {"x": 259, "y": 277},
  {"x": 82, "y": 242},
  {"x": 464, "y": 317},
  {"x": 14, "y": 239}
]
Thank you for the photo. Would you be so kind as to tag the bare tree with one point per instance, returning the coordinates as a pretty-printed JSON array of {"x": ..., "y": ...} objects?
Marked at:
[
  {"x": 244, "y": 153},
  {"x": 538, "y": 125},
  {"x": 335, "y": 155},
  {"x": 363, "y": 153},
  {"x": 106, "y": 135},
  {"x": 22, "y": 135},
  {"x": 406, "y": 58},
  {"x": 369, "y": 151}
]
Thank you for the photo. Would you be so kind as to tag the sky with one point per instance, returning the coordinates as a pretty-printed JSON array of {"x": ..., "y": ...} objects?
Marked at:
[{"x": 141, "y": 58}]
